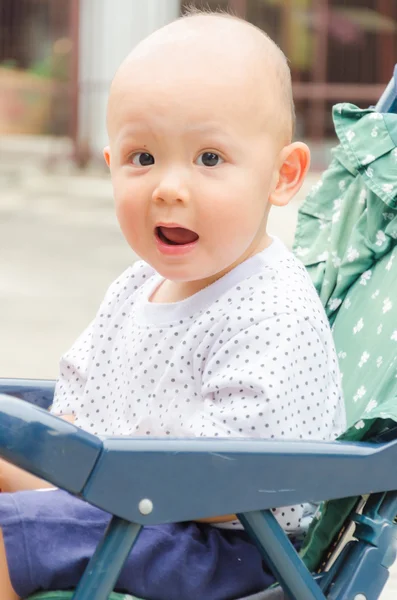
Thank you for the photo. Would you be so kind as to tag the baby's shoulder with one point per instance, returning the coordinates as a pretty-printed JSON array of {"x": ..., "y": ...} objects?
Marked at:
[
  {"x": 269, "y": 310},
  {"x": 127, "y": 285},
  {"x": 281, "y": 289}
]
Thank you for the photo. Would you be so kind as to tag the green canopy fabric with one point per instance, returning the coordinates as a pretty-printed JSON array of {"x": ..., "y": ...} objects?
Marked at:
[
  {"x": 347, "y": 239},
  {"x": 349, "y": 220}
]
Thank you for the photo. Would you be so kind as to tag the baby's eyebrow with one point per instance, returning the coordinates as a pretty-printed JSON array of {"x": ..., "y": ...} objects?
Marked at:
[
  {"x": 218, "y": 134},
  {"x": 208, "y": 128},
  {"x": 133, "y": 129}
]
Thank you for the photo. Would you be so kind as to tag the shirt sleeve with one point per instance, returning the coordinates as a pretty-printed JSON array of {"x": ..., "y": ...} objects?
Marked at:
[
  {"x": 76, "y": 363},
  {"x": 73, "y": 369},
  {"x": 275, "y": 380}
]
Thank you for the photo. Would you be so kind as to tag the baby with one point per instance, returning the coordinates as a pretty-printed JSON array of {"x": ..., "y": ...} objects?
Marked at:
[{"x": 217, "y": 332}]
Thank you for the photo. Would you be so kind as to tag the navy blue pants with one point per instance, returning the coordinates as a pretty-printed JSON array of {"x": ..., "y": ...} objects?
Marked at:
[{"x": 50, "y": 536}]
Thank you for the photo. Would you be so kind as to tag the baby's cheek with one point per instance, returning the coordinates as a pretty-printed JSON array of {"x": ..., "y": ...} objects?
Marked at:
[
  {"x": 128, "y": 220},
  {"x": 239, "y": 217},
  {"x": 128, "y": 204}
]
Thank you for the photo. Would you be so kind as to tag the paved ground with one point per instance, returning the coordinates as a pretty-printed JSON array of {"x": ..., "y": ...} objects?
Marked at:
[{"x": 60, "y": 248}]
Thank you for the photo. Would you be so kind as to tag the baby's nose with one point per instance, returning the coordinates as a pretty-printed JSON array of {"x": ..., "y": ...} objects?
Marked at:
[{"x": 172, "y": 188}]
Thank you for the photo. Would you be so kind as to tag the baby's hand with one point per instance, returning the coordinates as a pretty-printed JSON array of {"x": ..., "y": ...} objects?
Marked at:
[
  {"x": 69, "y": 418},
  {"x": 224, "y": 519}
]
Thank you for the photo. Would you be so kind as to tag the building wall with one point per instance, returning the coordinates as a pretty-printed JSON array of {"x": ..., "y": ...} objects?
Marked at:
[{"x": 107, "y": 34}]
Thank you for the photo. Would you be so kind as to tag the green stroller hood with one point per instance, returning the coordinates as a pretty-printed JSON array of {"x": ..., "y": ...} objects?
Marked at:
[
  {"x": 347, "y": 238},
  {"x": 349, "y": 220}
]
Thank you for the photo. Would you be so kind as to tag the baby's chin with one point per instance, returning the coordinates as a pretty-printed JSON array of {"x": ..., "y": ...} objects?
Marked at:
[
  {"x": 185, "y": 273},
  {"x": 182, "y": 274},
  {"x": 197, "y": 268}
]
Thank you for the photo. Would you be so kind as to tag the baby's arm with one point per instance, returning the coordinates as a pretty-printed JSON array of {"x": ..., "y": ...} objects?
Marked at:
[
  {"x": 73, "y": 369},
  {"x": 76, "y": 364},
  {"x": 14, "y": 479},
  {"x": 275, "y": 379},
  {"x": 224, "y": 519}
]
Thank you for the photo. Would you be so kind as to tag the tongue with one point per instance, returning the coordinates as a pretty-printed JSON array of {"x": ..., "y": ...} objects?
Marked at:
[{"x": 178, "y": 235}]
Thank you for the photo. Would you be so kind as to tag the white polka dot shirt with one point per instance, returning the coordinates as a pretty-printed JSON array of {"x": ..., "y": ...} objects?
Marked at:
[{"x": 251, "y": 355}]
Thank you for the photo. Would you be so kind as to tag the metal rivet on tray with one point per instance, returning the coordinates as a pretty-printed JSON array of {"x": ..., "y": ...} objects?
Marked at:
[{"x": 146, "y": 507}]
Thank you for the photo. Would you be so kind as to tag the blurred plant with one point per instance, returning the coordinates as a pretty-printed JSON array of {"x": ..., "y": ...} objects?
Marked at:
[
  {"x": 34, "y": 99},
  {"x": 10, "y": 63},
  {"x": 54, "y": 67}
]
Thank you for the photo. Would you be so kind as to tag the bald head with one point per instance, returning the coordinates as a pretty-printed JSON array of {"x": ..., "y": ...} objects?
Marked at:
[
  {"x": 270, "y": 58},
  {"x": 218, "y": 50}
]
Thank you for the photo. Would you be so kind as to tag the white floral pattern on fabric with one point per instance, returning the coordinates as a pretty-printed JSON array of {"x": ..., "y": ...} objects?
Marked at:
[
  {"x": 389, "y": 264},
  {"x": 371, "y": 405},
  {"x": 362, "y": 196},
  {"x": 364, "y": 359},
  {"x": 365, "y": 277},
  {"x": 357, "y": 276},
  {"x": 367, "y": 226},
  {"x": 301, "y": 252},
  {"x": 323, "y": 257},
  {"x": 335, "y": 303},
  {"x": 360, "y": 393},
  {"x": 368, "y": 159},
  {"x": 352, "y": 254},
  {"x": 358, "y": 326},
  {"x": 387, "y": 305},
  {"x": 380, "y": 238},
  {"x": 350, "y": 135}
]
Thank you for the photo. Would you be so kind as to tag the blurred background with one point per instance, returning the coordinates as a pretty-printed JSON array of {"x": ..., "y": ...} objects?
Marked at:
[
  {"x": 57, "y": 58},
  {"x": 60, "y": 243},
  {"x": 60, "y": 246}
]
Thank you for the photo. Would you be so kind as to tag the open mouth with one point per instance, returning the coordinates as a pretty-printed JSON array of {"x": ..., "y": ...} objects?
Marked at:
[{"x": 176, "y": 236}]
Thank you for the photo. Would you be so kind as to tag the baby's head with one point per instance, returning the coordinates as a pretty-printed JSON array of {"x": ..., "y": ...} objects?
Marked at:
[{"x": 200, "y": 123}]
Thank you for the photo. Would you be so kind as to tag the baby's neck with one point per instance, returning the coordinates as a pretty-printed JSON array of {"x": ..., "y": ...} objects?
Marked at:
[{"x": 175, "y": 291}]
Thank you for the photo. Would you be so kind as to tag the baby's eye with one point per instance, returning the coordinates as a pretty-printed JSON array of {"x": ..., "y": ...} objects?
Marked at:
[
  {"x": 209, "y": 159},
  {"x": 142, "y": 159}
]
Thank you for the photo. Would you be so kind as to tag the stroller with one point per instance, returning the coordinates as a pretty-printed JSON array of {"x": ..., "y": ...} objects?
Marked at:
[{"x": 347, "y": 238}]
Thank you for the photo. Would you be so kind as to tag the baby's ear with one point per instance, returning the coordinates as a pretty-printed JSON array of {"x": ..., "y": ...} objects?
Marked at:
[
  {"x": 294, "y": 161},
  {"x": 106, "y": 154}
]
